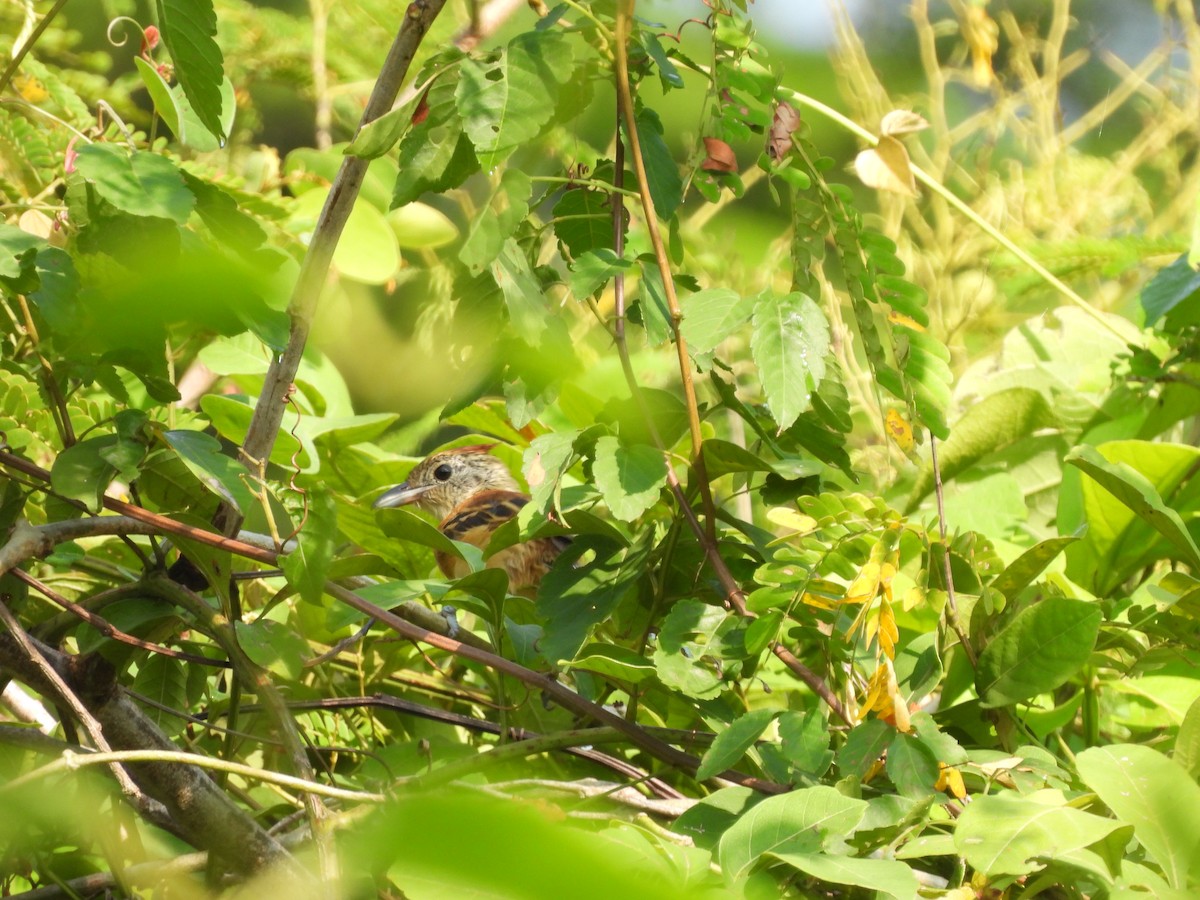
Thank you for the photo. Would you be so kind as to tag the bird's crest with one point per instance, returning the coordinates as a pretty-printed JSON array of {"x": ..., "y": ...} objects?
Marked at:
[{"x": 474, "y": 448}]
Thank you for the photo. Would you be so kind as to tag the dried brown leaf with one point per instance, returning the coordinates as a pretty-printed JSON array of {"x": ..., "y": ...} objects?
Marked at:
[
  {"x": 902, "y": 121},
  {"x": 886, "y": 168},
  {"x": 779, "y": 139},
  {"x": 720, "y": 156}
]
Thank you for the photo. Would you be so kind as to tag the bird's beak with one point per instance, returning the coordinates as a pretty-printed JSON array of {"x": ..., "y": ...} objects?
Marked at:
[{"x": 400, "y": 495}]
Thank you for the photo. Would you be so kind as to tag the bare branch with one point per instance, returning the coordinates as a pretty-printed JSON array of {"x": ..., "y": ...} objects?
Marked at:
[
  {"x": 196, "y": 809},
  {"x": 560, "y": 693},
  {"x": 268, "y": 414}
]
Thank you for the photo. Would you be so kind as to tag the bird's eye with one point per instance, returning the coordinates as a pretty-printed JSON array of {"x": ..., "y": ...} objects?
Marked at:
[{"x": 443, "y": 472}]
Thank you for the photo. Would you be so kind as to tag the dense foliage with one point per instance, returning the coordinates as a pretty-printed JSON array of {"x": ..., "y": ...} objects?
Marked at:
[{"x": 880, "y": 473}]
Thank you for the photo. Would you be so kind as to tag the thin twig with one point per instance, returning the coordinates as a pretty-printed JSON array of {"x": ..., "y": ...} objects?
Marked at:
[
  {"x": 222, "y": 630},
  {"x": 514, "y": 735},
  {"x": 67, "y": 697},
  {"x": 268, "y": 413},
  {"x": 323, "y": 112},
  {"x": 560, "y": 693},
  {"x": 950, "y": 197},
  {"x": 71, "y": 760},
  {"x": 706, "y": 537},
  {"x": 19, "y": 53},
  {"x": 951, "y": 603},
  {"x": 109, "y": 630},
  {"x": 625, "y": 104},
  {"x": 183, "y": 800}
]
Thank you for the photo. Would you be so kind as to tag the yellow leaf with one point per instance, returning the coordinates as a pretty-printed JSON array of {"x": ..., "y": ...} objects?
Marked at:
[
  {"x": 31, "y": 89},
  {"x": 866, "y": 585},
  {"x": 950, "y": 779},
  {"x": 886, "y": 167},
  {"x": 790, "y": 519},
  {"x": 889, "y": 633},
  {"x": 876, "y": 768},
  {"x": 899, "y": 430},
  {"x": 899, "y": 711},
  {"x": 982, "y": 35},
  {"x": 818, "y": 601},
  {"x": 877, "y": 694},
  {"x": 904, "y": 321}
]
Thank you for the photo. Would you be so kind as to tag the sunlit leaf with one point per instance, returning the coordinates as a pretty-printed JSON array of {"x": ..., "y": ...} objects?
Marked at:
[
  {"x": 189, "y": 29},
  {"x": 1013, "y": 835},
  {"x": 886, "y": 167},
  {"x": 732, "y": 743},
  {"x": 799, "y": 822},
  {"x": 1039, "y": 650},
  {"x": 789, "y": 343},
  {"x": 629, "y": 477}
]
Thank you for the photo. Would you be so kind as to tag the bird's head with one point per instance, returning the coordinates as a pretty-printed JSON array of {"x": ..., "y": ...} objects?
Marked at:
[{"x": 442, "y": 481}]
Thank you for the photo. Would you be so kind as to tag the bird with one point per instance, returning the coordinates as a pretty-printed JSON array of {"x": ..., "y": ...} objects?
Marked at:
[{"x": 472, "y": 493}]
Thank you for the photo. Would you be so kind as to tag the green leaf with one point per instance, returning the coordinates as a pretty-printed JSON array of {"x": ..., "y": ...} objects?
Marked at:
[
  {"x": 583, "y": 220},
  {"x": 1156, "y": 796},
  {"x": 789, "y": 343},
  {"x": 1170, "y": 287},
  {"x": 378, "y": 137},
  {"x": 1187, "y": 742},
  {"x": 228, "y": 223},
  {"x": 1039, "y": 650},
  {"x": 164, "y": 681},
  {"x": 192, "y": 131},
  {"x": 435, "y": 155},
  {"x": 594, "y": 269},
  {"x": 144, "y": 184},
  {"x": 546, "y": 461},
  {"x": 1029, "y": 565},
  {"x": 540, "y": 855},
  {"x": 82, "y": 473},
  {"x": 273, "y": 646},
  {"x": 405, "y": 525},
  {"x": 666, "y": 185},
  {"x": 232, "y": 418},
  {"x": 18, "y": 250},
  {"x": 731, "y": 744},
  {"x": 629, "y": 477},
  {"x": 496, "y": 224},
  {"x": 864, "y": 745},
  {"x": 652, "y": 305},
  {"x": 505, "y": 101},
  {"x": 712, "y": 315},
  {"x": 722, "y": 458},
  {"x": 799, "y": 822},
  {"x": 201, "y": 453},
  {"x": 307, "y": 566},
  {"x": 189, "y": 28},
  {"x": 885, "y": 876},
  {"x": 1138, "y": 493},
  {"x": 695, "y": 638},
  {"x": 573, "y": 599},
  {"x": 804, "y": 739},
  {"x": 667, "y": 72},
  {"x": 160, "y": 94},
  {"x": 421, "y": 227},
  {"x": 522, "y": 292},
  {"x": 994, "y": 423},
  {"x": 612, "y": 661},
  {"x": 912, "y": 766},
  {"x": 367, "y": 251},
  {"x": 711, "y": 817},
  {"x": 1005, "y": 834}
]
